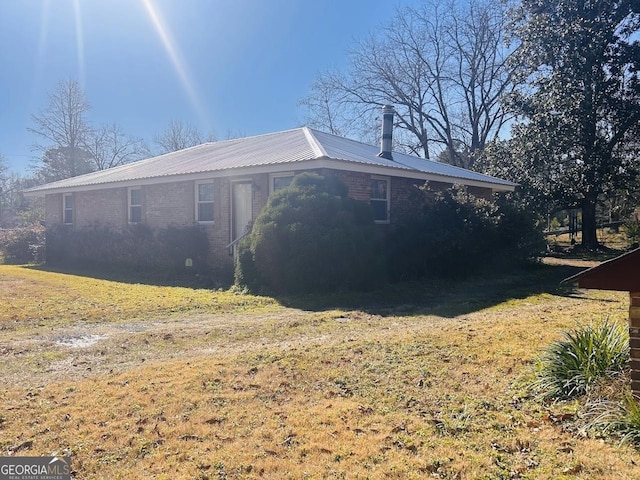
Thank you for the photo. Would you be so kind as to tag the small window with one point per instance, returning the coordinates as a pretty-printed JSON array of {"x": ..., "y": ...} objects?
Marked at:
[
  {"x": 204, "y": 202},
  {"x": 135, "y": 205},
  {"x": 380, "y": 199},
  {"x": 67, "y": 208},
  {"x": 280, "y": 180}
]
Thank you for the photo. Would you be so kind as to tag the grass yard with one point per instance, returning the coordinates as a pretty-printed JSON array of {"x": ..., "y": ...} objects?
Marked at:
[{"x": 136, "y": 381}]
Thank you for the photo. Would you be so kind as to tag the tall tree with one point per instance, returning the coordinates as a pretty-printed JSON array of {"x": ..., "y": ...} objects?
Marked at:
[
  {"x": 110, "y": 147},
  {"x": 180, "y": 135},
  {"x": 5, "y": 191},
  {"x": 59, "y": 163},
  {"x": 15, "y": 208},
  {"x": 443, "y": 68},
  {"x": 63, "y": 132},
  {"x": 579, "y": 64}
]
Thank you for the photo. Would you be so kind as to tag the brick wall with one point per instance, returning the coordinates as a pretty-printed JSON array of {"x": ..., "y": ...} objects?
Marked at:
[
  {"x": 101, "y": 207},
  {"x": 479, "y": 192},
  {"x": 173, "y": 204},
  {"x": 168, "y": 204},
  {"x": 53, "y": 209},
  {"x": 359, "y": 184}
]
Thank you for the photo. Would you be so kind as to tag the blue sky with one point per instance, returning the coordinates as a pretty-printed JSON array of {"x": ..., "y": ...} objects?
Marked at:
[{"x": 228, "y": 66}]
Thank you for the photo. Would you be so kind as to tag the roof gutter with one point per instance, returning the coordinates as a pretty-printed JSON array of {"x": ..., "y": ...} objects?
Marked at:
[{"x": 322, "y": 162}]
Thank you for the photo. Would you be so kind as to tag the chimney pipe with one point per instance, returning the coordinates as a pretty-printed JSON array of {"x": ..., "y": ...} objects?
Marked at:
[{"x": 387, "y": 132}]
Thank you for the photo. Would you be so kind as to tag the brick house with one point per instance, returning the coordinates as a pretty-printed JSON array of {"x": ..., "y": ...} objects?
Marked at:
[{"x": 222, "y": 186}]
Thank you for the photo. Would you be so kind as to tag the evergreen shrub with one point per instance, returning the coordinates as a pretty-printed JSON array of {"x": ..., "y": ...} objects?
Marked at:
[
  {"x": 23, "y": 244},
  {"x": 311, "y": 237},
  {"x": 453, "y": 234}
]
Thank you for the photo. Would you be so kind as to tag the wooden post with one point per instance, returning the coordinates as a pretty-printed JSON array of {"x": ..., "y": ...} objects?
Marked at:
[{"x": 634, "y": 341}]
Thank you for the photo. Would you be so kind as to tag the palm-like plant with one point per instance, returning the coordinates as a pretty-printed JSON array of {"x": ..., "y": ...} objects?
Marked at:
[{"x": 571, "y": 365}]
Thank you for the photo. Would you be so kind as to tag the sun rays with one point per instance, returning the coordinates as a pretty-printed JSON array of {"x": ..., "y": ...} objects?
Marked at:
[
  {"x": 176, "y": 59},
  {"x": 75, "y": 12},
  {"x": 79, "y": 41}
]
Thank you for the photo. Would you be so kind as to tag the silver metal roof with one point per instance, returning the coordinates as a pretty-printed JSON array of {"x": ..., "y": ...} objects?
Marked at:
[{"x": 274, "y": 152}]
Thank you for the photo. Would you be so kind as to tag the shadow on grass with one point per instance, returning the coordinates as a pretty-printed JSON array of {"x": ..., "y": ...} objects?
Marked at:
[
  {"x": 446, "y": 298},
  {"x": 185, "y": 278}
]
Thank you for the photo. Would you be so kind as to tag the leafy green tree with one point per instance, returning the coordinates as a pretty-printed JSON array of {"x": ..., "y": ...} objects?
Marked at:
[
  {"x": 64, "y": 162},
  {"x": 15, "y": 208},
  {"x": 578, "y": 65}
]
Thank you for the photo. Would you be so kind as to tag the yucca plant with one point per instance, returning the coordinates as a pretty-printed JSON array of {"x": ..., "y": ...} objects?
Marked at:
[{"x": 570, "y": 366}]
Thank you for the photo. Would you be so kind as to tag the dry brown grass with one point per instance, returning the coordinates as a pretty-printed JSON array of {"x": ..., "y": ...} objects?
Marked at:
[{"x": 244, "y": 388}]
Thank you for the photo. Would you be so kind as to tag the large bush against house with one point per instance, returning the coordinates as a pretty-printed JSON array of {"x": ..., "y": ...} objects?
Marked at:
[
  {"x": 23, "y": 244},
  {"x": 312, "y": 237},
  {"x": 135, "y": 247},
  {"x": 454, "y": 234}
]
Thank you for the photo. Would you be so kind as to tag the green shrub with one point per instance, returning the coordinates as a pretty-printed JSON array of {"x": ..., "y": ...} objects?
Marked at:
[
  {"x": 135, "y": 247},
  {"x": 569, "y": 367},
  {"x": 454, "y": 234},
  {"x": 621, "y": 419},
  {"x": 311, "y": 237},
  {"x": 23, "y": 245}
]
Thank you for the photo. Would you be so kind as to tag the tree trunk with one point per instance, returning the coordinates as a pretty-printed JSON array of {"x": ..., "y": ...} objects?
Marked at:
[{"x": 589, "y": 238}]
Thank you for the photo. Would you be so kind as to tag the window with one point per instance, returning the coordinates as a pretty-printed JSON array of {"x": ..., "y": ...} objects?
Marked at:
[
  {"x": 67, "y": 208},
  {"x": 380, "y": 199},
  {"x": 204, "y": 202},
  {"x": 280, "y": 180},
  {"x": 135, "y": 205}
]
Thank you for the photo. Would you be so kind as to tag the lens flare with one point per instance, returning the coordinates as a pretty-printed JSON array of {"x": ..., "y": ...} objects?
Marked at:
[
  {"x": 42, "y": 44},
  {"x": 176, "y": 60},
  {"x": 79, "y": 41}
]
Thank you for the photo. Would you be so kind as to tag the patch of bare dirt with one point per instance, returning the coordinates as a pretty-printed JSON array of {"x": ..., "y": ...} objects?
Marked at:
[{"x": 39, "y": 357}]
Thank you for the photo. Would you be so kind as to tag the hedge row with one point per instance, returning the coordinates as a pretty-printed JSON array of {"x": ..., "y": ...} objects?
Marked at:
[
  {"x": 311, "y": 237},
  {"x": 135, "y": 247}
]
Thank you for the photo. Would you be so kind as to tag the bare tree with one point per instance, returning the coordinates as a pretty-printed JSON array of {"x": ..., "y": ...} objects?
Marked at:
[
  {"x": 329, "y": 109},
  {"x": 5, "y": 191},
  {"x": 63, "y": 131},
  {"x": 441, "y": 65},
  {"x": 180, "y": 135},
  {"x": 110, "y": 147}
]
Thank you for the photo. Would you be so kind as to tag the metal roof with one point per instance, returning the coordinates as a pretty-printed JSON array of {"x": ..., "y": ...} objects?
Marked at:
[{"x": 273, "y": 151}]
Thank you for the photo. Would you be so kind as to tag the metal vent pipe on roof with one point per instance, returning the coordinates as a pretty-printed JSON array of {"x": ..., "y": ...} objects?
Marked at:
[{"x": 387, "y": 132}]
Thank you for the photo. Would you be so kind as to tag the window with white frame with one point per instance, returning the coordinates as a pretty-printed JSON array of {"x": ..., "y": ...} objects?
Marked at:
[
  {"x": 380, "y": 198},
  {"x": 204, "y": 202},
  {"x": 135, "y": 205},
  {"x": 67, "y": 208},
  {"x": 278, "y": 181}
]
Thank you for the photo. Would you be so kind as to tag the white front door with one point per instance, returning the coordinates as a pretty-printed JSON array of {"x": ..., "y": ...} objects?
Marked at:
[{"x": 241, "y": 200}]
